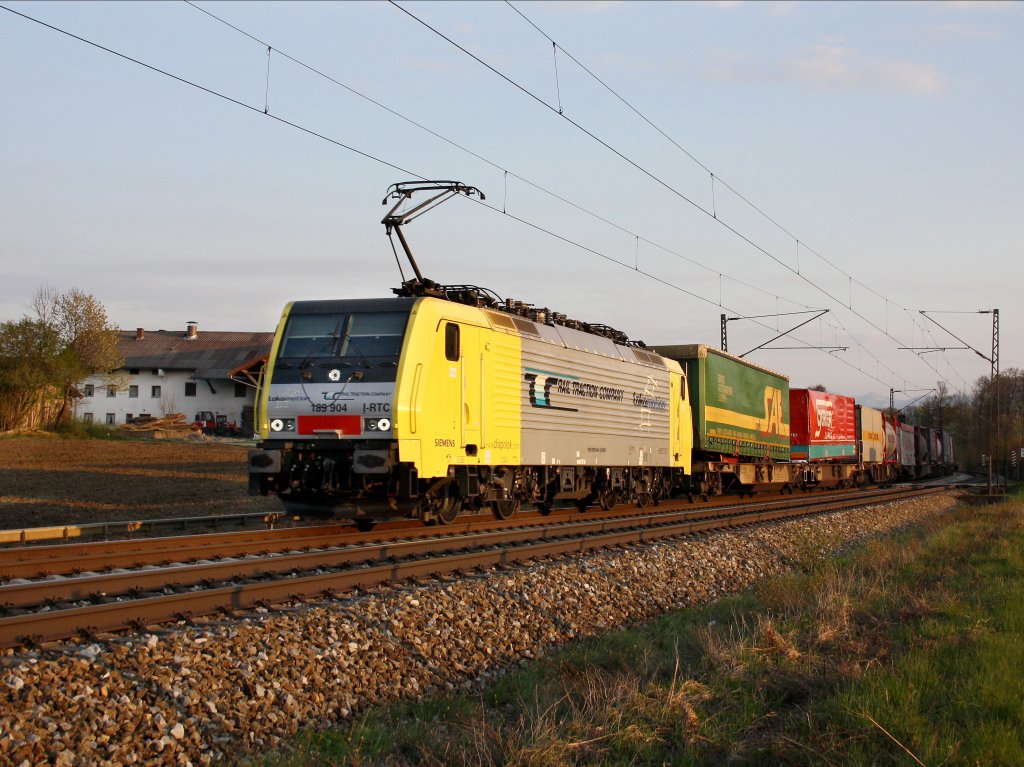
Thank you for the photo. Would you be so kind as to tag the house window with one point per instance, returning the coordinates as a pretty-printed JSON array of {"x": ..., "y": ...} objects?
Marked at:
[
  {"x": 133, "y": 371},
  {"x": 239, "y": 389},
  {"x": 88, "y": 390},
  {"x": 128, "y": 417},
  {"x": 154, "y": 372},
  {"x": 133, "y": 392},
  {"x": 111, "y": 390},
  {"x": 155, "y": 392},
  {"x": 110, "y": 419},
  {"x": 190, "y": 388},
  {"x": 87, "y": 417}
]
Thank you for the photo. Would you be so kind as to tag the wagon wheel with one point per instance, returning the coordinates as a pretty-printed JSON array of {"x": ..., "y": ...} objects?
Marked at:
[
  {"x": 364, "y": 524},
  {"x": 544, "y": 502},
  {"x": 505, "y": 509},
  {"x": 643, "y": 499},
  {"x": 608, "y": 499}
]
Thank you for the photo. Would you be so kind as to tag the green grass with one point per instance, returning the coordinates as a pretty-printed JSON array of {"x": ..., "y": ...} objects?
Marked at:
[
  {"x": 75, "y": 429},
  {"x": 908, "y": 650}
]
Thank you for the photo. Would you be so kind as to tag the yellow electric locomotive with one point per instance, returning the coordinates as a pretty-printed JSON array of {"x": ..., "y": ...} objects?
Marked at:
[
  {"x": 445, "y": 399},
  {"x": 424, "y": 406}
]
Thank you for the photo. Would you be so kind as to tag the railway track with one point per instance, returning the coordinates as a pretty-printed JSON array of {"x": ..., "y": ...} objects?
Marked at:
[
  {"x": 93, "y": 603},
  {"x": 97, "y": 556}
]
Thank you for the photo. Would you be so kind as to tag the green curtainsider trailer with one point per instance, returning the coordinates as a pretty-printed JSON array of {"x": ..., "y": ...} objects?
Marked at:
[{"x": 740, "y": 410}]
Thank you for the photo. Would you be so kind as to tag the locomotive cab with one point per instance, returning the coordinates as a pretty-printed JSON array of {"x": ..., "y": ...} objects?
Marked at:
[{"x": 326, "y": 408}]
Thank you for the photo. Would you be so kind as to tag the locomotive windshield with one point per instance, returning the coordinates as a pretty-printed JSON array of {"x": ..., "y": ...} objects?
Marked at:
[{"x": 344, "y": 335}]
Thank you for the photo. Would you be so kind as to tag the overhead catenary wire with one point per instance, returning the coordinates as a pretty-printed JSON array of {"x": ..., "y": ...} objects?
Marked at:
[
  {"x": 364, "y": 154},
  {"x": 712, "y": 214},
  {"x": 751, "y": 204},
  {"x": 316, "y": 134},
  {"x": 497, "y": 166},
  {"x": 210, "y": 91},
  {"x": 732, "y": 189},
  {"x": 537, "y": 186},
  {"x": 661, "y": 182}
]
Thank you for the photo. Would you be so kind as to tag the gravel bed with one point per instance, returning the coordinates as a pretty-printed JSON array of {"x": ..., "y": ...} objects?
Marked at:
[{"x": 190, "y": 695}]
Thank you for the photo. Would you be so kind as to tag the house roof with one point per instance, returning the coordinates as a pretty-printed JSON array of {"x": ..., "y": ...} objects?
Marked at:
[{"x": 210, "y": 354}]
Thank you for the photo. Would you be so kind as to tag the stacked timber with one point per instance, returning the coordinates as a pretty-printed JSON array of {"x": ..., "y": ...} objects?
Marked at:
[{"x": 170, "y": 426}]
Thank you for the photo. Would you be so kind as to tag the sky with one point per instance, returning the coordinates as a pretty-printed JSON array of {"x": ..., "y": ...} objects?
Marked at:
[{"x": 649, "y": 166}]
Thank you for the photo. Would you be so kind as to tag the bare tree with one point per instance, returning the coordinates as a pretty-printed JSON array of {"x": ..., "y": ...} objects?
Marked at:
[{"x": 43, "y": 357}]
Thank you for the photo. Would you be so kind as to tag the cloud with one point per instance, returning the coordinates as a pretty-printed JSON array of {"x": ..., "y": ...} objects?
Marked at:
[
  {"x": 837, "y": 67},
  {"x": 586, "y": 6},
  {"x": 977, "y": 5},
  {"x": 783, "y": 8},
  {"x": 829, "y": 66},
  {"x": 964, "y": 31}
]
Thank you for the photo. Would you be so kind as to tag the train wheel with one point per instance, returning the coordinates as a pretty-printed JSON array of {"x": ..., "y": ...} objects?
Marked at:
[
  {"x": 448, "y": 510},
  {"x": 608, "y": 499},
  {"x": 544, "y": 507},
  {"x": 505, "y": 509},
  {"x": 439, "y": 509},
  {"x": 365, "y": 525},
  {"x": 643, "y": 500}
]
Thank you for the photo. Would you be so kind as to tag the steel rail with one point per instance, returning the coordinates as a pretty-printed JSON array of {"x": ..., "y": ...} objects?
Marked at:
[
  {"x": 20, "y": 595},
  {"x": 39, "y": 561},
  {"x": 52, "y": 625}
]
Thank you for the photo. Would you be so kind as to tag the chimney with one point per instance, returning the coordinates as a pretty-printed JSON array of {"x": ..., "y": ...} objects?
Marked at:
[
  {"x": 191, "y": 330},
  {"x": 140, "y": 333}
]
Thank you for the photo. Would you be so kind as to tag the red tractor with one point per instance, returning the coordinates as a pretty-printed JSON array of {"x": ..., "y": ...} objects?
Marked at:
[{"x": 216, "y": 425}]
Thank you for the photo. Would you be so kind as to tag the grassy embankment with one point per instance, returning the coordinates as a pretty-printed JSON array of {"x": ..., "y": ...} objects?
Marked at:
[
  {"x": 71, "y": 429},
  {"x": 906, "y": 651}
]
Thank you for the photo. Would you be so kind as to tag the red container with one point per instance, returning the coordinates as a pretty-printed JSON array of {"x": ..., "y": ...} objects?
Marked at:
[{"x": 822, "y": 426}]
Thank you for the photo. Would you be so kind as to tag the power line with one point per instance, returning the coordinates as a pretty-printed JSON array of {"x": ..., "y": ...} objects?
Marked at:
[
  {"x": 323, "y": 137},
  {"x": 544, "y": 190},
  {"x": 666, "y": 185},
  {"x": 487, "y": 161},
  {"x": 533, "y": 184},
  {"x": 369, "y": 156},
  {"x": 210, "y": 91},
  {"x": 724, "y": 183}
]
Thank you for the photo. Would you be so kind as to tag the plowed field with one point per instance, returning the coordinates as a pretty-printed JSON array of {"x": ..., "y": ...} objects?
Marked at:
[{"x": 49, "y": 481}]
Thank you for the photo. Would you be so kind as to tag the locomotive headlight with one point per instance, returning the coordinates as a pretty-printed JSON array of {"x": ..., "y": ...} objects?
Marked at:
[
  {"x": 383, "y": 424},
  {"x": 276, "y": 425},
  {"x": 282, "y": 424}
]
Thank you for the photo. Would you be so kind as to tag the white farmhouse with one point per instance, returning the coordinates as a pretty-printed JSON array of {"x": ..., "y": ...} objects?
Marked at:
[{"x": 167, "y": 371}]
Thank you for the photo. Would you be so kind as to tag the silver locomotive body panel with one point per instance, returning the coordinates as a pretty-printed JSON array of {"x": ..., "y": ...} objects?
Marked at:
[{"x": 580, "y": 408}]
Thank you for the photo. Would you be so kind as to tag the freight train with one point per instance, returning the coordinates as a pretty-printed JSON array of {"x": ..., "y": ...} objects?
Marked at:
[{"x": 442, "y": 400}]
